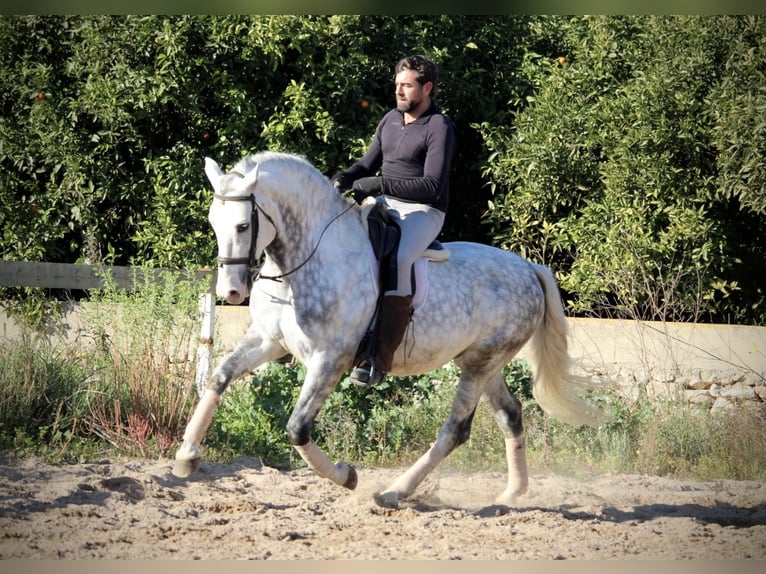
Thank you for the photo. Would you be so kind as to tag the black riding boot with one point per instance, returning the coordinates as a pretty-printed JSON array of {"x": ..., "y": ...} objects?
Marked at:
[{"x": 395, "y": 314}]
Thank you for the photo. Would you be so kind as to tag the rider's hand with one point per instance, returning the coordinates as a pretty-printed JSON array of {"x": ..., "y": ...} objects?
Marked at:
[
  {"x": 366, "y": 187},
  {"x": 340, "y": 182}
]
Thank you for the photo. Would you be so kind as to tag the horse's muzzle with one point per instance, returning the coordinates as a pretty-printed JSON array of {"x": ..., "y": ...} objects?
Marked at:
[
  {"x": 234, "y": 297},
  {"x": 232, "y": 285}
]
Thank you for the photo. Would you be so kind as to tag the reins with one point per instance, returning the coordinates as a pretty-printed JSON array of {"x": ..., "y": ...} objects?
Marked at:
[
  {"x": 313, "y": 251},
  {"x": 250, "y": 261}
]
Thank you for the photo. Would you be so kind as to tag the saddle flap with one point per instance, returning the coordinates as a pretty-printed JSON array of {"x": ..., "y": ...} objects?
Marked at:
[
  {"x": 384, "y": 240},
  {"x": 384, "y": 231},
  {"x": 384, "y": 234}
]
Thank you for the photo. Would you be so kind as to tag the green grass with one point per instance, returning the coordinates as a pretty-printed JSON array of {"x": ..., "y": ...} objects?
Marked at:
[
  {"x": 394, "y": 424},
  {"x": 125, "y": 388},
  {"x": 124, "y": 385}
]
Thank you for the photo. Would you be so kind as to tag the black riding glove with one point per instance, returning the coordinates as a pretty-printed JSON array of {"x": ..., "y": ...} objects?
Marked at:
[
  {"x": 366, "y": 187},
  {"x": 340, "y": 182}
]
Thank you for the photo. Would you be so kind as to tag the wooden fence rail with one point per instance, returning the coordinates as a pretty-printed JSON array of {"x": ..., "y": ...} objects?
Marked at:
[
  {"x": 85, "y": 277},
  {"x": 70, "y": 276}
]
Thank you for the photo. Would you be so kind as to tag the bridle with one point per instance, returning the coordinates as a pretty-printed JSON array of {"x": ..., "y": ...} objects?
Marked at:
[
  {"x": 252, "y": 265},
  {"x": 254, "y": 269},
  {"x": 250, "y": 261}
]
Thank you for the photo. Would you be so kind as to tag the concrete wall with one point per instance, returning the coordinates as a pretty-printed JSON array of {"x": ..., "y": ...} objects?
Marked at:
[
  {"x": 722, "y": 366},
  {"x": 657, "y": 350},
  {"x": 615, "y": 349},
  {"x": 664, "y": 350}
]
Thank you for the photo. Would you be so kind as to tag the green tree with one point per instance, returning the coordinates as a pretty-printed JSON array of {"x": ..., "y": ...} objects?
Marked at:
[
  {"x": 90, "y": 115},
  {"x": 623, "y": 151},
  {"x": 106, "y": 120},
  {"x": 613, "y": 173}
]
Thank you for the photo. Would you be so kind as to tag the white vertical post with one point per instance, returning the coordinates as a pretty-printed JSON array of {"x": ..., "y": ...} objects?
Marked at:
[{"x": 207, "y": 331}]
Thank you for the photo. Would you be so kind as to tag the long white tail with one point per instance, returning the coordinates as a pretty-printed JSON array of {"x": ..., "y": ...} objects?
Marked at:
[{"x": 556, "y": 390}]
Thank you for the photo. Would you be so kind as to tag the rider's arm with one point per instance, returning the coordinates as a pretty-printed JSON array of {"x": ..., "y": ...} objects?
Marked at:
[{"x": 367, "y": 166}]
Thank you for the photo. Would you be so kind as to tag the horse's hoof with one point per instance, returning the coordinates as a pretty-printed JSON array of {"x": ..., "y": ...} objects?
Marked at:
[
  {"x": 352, "y": 479},
  {"x": 510, "y": 497},
  {"x": 386, "y": 499},
  {"x": 184, "y": 468}
]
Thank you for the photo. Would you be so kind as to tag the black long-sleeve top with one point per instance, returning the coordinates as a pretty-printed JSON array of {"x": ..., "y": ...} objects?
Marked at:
[{"x": 414, "y": 159}]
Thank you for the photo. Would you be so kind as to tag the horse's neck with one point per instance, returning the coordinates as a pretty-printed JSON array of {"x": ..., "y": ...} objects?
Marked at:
[
  {"x": 333, "y": 287},
  {"x": 316, "y": 227}
]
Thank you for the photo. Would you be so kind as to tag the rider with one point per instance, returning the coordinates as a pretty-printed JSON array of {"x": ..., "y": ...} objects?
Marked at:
[{"x": 412, "y": 147}]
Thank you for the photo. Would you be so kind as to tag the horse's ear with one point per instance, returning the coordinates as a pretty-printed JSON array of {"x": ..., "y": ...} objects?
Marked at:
[
  {"x": 214, "y": 174},
  {"x": 251, "y": 177}
]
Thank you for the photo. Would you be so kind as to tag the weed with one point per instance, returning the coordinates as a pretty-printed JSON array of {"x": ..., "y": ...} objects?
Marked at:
[
  {"x": 141, "y": 391},
  {"x": 40, "y": 392},
  {"x": 128, "y": 385}
]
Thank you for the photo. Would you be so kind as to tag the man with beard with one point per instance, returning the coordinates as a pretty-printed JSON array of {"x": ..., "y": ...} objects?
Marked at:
[{"x": 412, "y": 150}]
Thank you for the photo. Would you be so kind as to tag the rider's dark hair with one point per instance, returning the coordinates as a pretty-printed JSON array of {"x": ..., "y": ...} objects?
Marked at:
[{"x": 426, "y": 69}]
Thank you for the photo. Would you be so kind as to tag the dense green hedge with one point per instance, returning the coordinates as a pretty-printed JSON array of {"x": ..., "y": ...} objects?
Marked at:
[
  {"x": 623, "y": 151},
  {"x": 106, "y": 120},
  {"x": 636, "y": 169}
]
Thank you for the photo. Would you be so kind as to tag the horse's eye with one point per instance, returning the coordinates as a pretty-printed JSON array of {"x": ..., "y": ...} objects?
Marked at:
[{"x": 243, "y": 227}]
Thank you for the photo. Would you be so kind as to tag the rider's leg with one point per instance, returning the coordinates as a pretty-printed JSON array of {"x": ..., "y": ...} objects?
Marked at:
[
  {"x": 395, "y": 312},
  {"x": 420, "y": 224}
]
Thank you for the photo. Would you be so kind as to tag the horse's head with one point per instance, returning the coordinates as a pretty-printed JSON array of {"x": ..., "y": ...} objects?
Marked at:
[
  {"x": 238, "y": 226},
  {"x": 266, "y": 197}
]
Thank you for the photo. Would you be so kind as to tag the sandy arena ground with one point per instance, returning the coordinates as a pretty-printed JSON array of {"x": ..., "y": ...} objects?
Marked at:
[{"x": 243, "y": 510}]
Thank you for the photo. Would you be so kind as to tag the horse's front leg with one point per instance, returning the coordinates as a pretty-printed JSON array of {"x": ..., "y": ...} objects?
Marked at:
[
  {"x": 317, "y": 386},
  {"x": 251, "y": 352}
]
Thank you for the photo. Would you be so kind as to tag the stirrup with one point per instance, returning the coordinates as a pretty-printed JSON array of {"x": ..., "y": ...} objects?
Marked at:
[{"x": 366, "y": 375}]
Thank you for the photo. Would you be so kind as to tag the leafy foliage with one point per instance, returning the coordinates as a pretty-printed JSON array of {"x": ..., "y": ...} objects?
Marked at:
[
  {"x": 138, "y": 344},
  {"x": 621, "y": 171},
  {"x": 365, "y": 425},
  {"x": 47, "y": 409},
  {"x": 623, "y": 151},
  {"x": 106, "y": 120},
  {"x": 40, "y": 394}
]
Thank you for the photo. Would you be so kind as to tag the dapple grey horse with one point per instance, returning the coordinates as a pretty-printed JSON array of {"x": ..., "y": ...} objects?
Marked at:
[{"x": 300, "y": 250}]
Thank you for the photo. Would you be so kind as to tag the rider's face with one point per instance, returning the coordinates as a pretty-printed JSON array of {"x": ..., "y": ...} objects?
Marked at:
[{"x": 410, "y": 93}]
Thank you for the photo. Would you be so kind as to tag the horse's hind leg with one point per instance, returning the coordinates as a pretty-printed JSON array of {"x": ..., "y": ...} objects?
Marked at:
[
  {"x": 507, "y": 412},
  {"x": 454, "y": 432}
]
